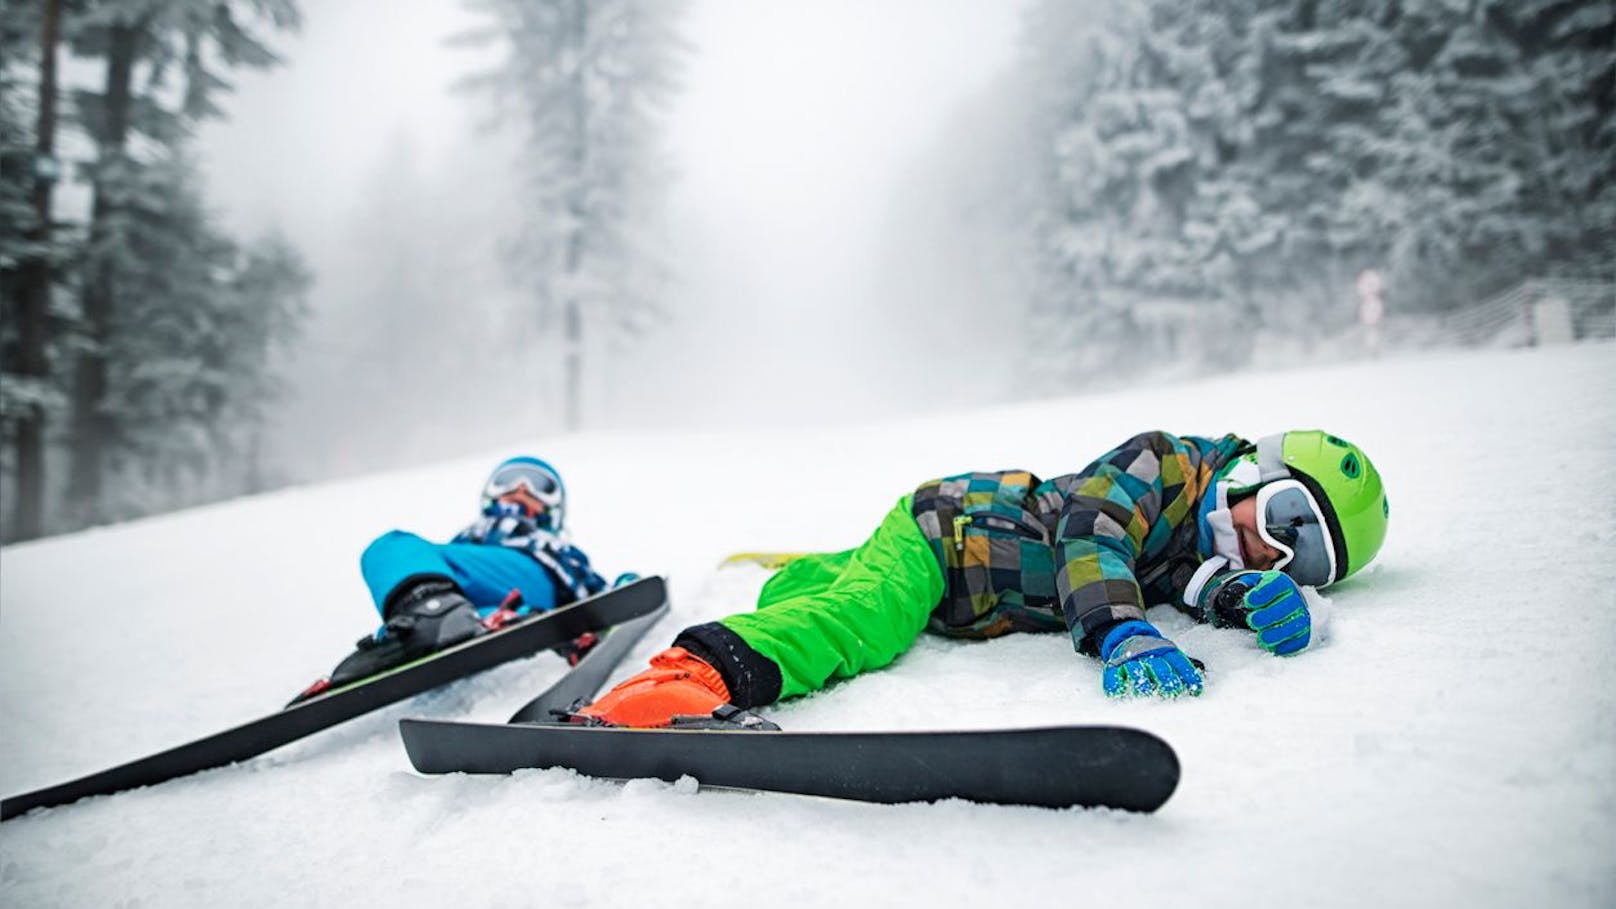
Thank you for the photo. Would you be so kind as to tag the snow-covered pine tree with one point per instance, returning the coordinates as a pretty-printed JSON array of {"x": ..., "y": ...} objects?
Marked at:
[
  {"x": 1077, "y": 57},
  {"x": 268, "y": 290},
  {"x": 139, "y": 124},
  {"x": 1248, "y": 158},
  {"x": 1226, "y": 135},
  {"x": 1139, "y": 243},
  {"x": 1500, "y": 146},
  {"x": 586, "y": 81},
  {"x": 196, "y": 322},
  {"x": 1314, "y": 76}
]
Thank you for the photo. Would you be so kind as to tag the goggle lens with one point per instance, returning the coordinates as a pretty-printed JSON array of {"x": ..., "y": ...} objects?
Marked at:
[{"x": 1292, "y": 522}]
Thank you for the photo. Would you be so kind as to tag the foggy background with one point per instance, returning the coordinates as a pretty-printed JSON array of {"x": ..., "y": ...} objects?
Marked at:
[
  {"x": 291, "y": 240},
  {"x": 797, "y": 230}
]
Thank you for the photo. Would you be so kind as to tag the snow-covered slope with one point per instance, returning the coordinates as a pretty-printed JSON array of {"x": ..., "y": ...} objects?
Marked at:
[{"x": 1453, "y": 742}]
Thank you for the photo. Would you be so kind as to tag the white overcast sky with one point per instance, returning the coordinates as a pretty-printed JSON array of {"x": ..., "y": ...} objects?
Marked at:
[{"x": 795, "y": 122}]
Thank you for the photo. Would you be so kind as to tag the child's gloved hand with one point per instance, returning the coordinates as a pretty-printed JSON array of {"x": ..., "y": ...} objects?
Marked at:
[
  {"x": 1274, "y": 607},
  {"x": 1139, "y": 661}
]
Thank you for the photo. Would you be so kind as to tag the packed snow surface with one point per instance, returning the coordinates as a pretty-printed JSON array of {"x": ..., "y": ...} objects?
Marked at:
[{"x": 1451, "y": 743}]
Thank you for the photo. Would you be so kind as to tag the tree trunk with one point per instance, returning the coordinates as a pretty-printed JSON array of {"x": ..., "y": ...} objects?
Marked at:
[
  {"x": 571, "y": 306},
  {"x": 572, "y": 363},
  {"x": 92, "y": 426},
  {"x": 34, "y": 293}
]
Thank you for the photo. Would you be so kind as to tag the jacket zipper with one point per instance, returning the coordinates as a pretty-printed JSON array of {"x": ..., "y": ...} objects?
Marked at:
[{"x": 1015, "y": 524}]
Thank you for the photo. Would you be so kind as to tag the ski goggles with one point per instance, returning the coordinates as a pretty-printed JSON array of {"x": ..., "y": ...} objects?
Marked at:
[
  {"x": 1291, "y": 521},
  {"x": 539, "y": 482}
]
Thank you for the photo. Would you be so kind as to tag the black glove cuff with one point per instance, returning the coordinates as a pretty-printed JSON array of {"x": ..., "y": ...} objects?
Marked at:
[{"x": 1228, "y": 606}]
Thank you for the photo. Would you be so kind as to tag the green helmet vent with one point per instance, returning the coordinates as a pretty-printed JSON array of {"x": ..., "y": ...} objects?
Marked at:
[{"x": 1350, "y": 466}]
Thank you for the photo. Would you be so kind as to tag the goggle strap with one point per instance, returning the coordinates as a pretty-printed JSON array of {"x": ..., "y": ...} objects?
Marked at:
[
  {"x": 1264, "y": 493},
  {"x": 1332, "y": 527}
]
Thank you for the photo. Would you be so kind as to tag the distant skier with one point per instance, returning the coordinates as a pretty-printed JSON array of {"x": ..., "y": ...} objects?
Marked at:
[
  {"x": 1371, "y": 309},
  {"x": 512, "y": 560},
  {"x": 1223, "y": 529}
]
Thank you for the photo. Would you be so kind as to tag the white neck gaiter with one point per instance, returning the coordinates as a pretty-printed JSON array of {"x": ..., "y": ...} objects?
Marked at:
[{"x": 1225, "y": 542}]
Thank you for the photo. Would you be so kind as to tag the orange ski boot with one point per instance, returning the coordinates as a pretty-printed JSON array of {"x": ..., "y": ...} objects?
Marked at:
[{"x": 677, "y": 684}]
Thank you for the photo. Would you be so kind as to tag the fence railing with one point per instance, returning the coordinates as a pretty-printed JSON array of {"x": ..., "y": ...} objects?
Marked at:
[{"x": 1538, "y": 312}]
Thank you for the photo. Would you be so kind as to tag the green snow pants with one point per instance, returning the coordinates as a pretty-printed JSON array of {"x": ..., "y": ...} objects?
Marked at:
[{"x": 835, "y": 615}]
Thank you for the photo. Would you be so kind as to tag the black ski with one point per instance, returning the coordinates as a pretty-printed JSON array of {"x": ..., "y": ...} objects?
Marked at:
[
  {"x": 523, "y": 638},
  {"x": 1054, "y": 767},
  {"x": 585, "y": 679}
]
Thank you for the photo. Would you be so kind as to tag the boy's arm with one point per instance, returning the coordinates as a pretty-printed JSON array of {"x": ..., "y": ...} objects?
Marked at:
[
  {"x": 1116, "y": 510},
  {"x": 1121, "y": 507},
  {"x": 573, "y": 561}
]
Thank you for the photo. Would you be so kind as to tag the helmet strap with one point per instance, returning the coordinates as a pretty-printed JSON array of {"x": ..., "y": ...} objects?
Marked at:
[{"x": 1271, "y": 458}]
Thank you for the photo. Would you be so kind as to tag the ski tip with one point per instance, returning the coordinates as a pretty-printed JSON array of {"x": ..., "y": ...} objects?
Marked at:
[
  {"x": 1147, "y": 769},
  {"x": 13, "y": 807},
  {"x": 772, "y": 561},
  {"x": 655, "y": 584}
]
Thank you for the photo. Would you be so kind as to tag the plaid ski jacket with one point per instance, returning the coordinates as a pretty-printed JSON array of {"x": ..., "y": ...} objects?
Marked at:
[{"x": 1081, "y": 551}]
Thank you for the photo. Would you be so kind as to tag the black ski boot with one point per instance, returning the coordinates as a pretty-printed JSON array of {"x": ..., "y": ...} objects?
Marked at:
[{"x": 422, "y": 618}]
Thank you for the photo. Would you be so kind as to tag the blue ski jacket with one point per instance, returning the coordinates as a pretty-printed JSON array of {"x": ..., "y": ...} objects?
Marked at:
[{"x": 502, "y": 525}]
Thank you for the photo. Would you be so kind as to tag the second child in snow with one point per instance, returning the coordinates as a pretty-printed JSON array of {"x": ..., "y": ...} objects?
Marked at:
[
  {"x": 1224, "y": 529},
  {"x": 514, "y": 559}
]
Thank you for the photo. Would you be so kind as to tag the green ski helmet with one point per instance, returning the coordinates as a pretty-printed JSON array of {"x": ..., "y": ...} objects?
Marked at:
[{"x": 1339, "y": 477}]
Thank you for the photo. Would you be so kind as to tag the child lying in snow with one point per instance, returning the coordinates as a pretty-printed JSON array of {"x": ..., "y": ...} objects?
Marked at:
[
  {"x": 433, "y": 595},
  {"x": 1224, "y": 529}
]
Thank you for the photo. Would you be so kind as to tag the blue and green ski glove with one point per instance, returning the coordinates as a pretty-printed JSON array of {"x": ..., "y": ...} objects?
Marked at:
[
  {"x": 1139, "y": 661},
  {"x": 1269, "y": 603}
]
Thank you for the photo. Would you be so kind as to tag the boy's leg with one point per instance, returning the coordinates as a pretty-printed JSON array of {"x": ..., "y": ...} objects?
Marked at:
[
  {"x": 807, "y": 574},
  {"x": 870, "y": 612},
  {"x": 396, "y": 558},
  {"x": 419, "y": 590},
  {"x": 485, "y": 574}
]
